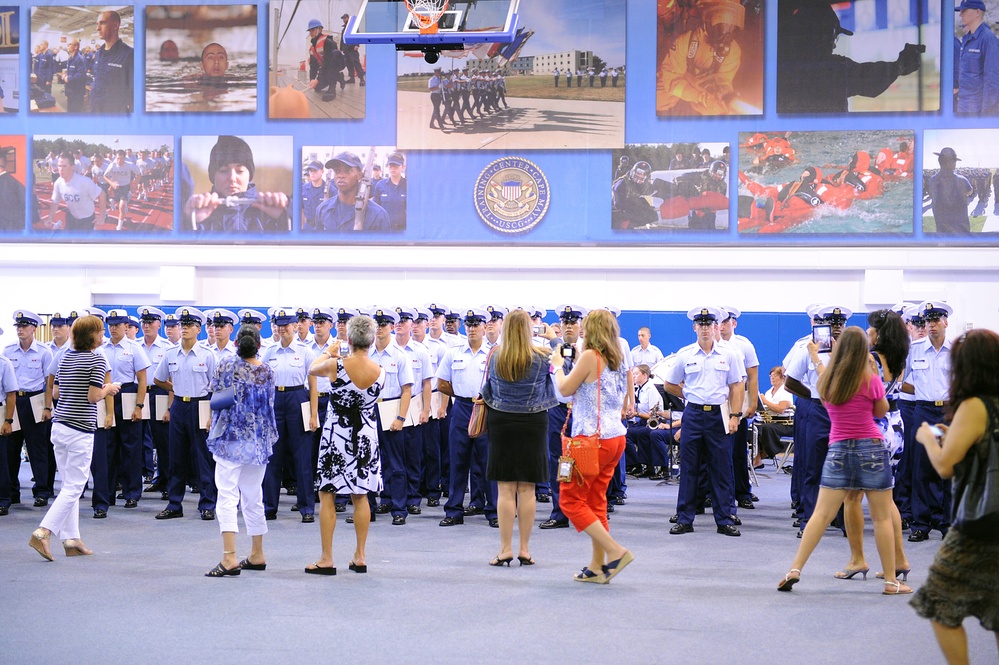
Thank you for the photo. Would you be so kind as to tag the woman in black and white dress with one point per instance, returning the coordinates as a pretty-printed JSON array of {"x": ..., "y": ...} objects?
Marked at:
[{"x": 349, "y": 459}]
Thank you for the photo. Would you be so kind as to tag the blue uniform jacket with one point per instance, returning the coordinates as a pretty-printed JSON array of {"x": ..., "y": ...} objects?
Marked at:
[{"x": 978, "y": 84}]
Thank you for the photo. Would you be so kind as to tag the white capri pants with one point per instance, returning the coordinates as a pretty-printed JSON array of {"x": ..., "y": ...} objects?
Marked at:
[
  {"x": 73, "y": 451},
  {"x": 240, "y": 485}
]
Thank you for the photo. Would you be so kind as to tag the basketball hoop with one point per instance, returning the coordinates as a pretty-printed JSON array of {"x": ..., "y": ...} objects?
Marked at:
[{"x": 426, "y": 13}]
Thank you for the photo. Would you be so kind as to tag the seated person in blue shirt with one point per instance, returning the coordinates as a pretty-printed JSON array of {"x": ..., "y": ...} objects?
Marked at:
[
  {"x": 234, "y": 204},
  {"x": 339, "y": 213}
]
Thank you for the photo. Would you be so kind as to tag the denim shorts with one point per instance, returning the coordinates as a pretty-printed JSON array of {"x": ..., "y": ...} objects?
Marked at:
[{"x": 857, "y": 464}]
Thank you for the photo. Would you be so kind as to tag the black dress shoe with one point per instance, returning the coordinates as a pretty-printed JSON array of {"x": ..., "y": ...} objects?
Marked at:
[
  {"x": 164, "y": 496},
  {"x": 167, "y": 514},
  {"x": 155, "y": 487},
  {"x": 610, "y": 506},
  {"x": 753, "y": 498},
  {"x": 120, "y": 496},
  {"x": 797, "y": 523},
  {"x": 729, "y": 530},
  {"x": 699, "y": 510},
  {"x": 680, "y": 527},
  {"x": 308, "y": 518},
  {"x": 736, "y": 521},
  {"x": 398, "y": 520},
  {"x": 905, "y": 524},
  {"x": 543, "y": 498},
  {"x": 208, "y": 515},
  {"x": 800, "y": 532},
  {"x": 350, "y": 518},
  {"x": 471, "y": 511},
  {"x": 452, "y": 521},
  {"x": 918, "y": 536},
  {"x": 294, "y": 507},
  {"x": 131, "y": 503},
  {"x": 341, "y": 507},
  {"x": 494, "y": 522},
  {"x": 383, "y": 509},
  {"x": 270, "y": 515},
  {"x": 554, "y": 524},
  {"x": 675, "y": 518},
  {"x": 292, "y": 490},
  {"x": 618, "y": 500},
  {"x": 707, "y": 502},
  {"x": 446, "y": 494},
  {"x": 41, "y": 503},
  {"x": 100, "y": 514},
  {"x": 795, "y": 504},
  {"x": 414, "y": 510},
  {"x": 747, "y": 504},
  {"x": 433, "y": 503},
  {"x": 658, "y": 474},
  {"x": 4, "y": 510}
]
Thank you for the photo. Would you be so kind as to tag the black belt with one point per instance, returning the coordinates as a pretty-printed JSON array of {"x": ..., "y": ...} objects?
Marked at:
[
  {"x": 29, "y": 393},
  {"x": 324, "y": 394},
  {"x": 190, "y": 399},
  {"x": 940, "y": 403},
  {"x": 704, "y": 407},
  {"x": 284, "y": 389},
  {"x": 464, "y": 400},
  {"x": 130, "y": 384}
]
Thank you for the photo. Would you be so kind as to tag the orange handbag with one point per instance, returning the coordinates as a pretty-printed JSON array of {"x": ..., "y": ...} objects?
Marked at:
[{"x": 581, "y": 453}]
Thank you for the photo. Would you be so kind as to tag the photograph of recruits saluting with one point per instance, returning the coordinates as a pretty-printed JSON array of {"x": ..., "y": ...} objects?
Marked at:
[{"x": 99, "y": 80}]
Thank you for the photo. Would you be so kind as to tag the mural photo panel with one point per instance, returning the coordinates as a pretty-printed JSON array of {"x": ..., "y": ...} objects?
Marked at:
[
  {"x": 312, "y": 72},
  {"x": 13, "y": 183},
  {"x": 94, "y": 184},
  {"x": 710, "y": 57},
  {"x": 201, "y": 58},
  {"x": 10, "y": 68},
  {"x": 669, "y": 187},
  {"x": 236, "y": 186},
  {"x": 826, "y": 182},
  {"x": 559, "y": 85},
  {"x": 858, "y": 56},
  {"x": 960, "y": 181},
  {"x": 347, "y": 189},
  {"x": 83, "y": 59}
]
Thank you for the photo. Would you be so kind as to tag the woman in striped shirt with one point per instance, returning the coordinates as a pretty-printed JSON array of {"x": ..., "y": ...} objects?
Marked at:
[{"x": 84, "y": 379}]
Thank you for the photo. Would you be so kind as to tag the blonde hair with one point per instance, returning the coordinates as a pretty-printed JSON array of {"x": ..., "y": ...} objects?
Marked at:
[
  {"x": 602, "y": 335},
  {"x": 516, "y": 351},
  {"x": 848, "y": 366}
]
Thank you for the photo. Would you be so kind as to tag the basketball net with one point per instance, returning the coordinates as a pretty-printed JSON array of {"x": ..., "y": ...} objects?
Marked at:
[{"x": 426, "y": 13}]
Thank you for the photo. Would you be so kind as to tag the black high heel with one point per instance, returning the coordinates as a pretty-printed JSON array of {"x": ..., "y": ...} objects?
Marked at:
[
  {"x": 525, "y": 560},
  {"x": 499, "y": 562}
]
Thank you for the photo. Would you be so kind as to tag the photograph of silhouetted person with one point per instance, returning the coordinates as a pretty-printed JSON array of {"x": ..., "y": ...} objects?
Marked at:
[
  {"x": 816, "y": 72},
  {"x": 950, "y": 194},
  {"x": 976, "y": 75}
]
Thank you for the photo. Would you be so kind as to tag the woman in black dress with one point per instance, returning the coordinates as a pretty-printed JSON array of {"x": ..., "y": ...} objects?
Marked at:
[{"x": 518, "y": 392}]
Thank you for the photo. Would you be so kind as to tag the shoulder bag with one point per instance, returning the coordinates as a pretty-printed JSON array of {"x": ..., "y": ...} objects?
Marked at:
[
  {"x": 477, "y": 421},
  {"x": 976, "y": 484},
  {"x": 580, "y": 458}
]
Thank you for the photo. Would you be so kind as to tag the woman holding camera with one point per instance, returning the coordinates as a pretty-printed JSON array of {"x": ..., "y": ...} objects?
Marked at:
[
  {"x": 518, "y": 393},
  {"x": 599, "y": 383},
  {"x": 854, "y": 396},
  {"x": 241, "y": 441},
  {"x": 962, "y": 580},
  {"x": 349, "y": 459}
]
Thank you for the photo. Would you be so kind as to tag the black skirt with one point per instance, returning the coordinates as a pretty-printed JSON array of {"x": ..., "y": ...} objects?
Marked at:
[{"x": 518, "y": 447}]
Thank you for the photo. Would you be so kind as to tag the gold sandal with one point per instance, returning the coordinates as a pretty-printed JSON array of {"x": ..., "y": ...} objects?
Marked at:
[
  {"x": 75, "y": 547},
  {"x": 39, "y": 542}
]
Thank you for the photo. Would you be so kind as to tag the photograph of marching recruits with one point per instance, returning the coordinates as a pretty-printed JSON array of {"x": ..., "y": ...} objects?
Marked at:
[
  {"x": 960, "y": 181},
  {"x": 710, "y": 57},
  {"x": 103, "y": 183},
  {"x": 559, "y": 84},
  {"x": 83, "y": 60},
  {"x": 10, "y": 68},
  {"x": 858, "y": 56},
  {"x": 826, "y": 182},
  {"x": 670, "y": 187},
  {"x": 353, "y": 188},
  {"x": 313, "y": 74},
  {"x": 238, "y": 185},
  {"x": 201, "y": 58},
  {"x": 13, "y": 182}
]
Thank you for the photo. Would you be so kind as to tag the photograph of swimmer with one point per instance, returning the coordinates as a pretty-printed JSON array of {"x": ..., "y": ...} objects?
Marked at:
[
  {"x": 82, "y": 59},
  {"x": 826, "y": 182},
  {"x": 201, "y": 58},
  {"x": 236, "y": 185},
  {"x": 670, "y": 187},
  {"x": 858, "y": 56},
  {"x": 10, "y": 68},
  {"x": 960, "y": 181},
  {"x": 336, "y": 178},
  {"x": 117, "y": 184},
  {"x": 312, "y": 73},
  {"x": 710, "y": 57}
]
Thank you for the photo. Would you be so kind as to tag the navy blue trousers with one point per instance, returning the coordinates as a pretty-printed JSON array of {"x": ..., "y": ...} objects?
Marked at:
[
  {"x": 189, "y": 446},
  {"x": 903, "y": 472},
  {"x": 556, "y": 417},
  {"x": 295, "y": 443},
  {"x": 468, "y": 466},
  {"x": 430, "y": 475},
  {"x": 802, "y": 409},
  {"x": 817, "y": 444},
  {"x": 931, "y": 494},
  {"x": 704, "y": 443}
]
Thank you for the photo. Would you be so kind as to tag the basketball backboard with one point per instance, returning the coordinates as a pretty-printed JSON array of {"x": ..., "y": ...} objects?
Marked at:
[{"x": 464, "y": 22}]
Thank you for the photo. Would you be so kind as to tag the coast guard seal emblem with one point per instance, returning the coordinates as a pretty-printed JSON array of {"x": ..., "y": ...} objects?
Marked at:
[{"x": 512, "y": 195}]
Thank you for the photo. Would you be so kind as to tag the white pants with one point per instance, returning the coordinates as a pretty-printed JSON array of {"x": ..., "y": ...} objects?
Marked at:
[
  {"x": 73, "y": 451},
  {"x": 240, "y": 485}
]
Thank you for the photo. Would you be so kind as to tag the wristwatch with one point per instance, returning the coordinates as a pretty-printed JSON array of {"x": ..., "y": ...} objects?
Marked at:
[
  {"x": 140, "y": 405},
  {"x": 401, "y": 418},
  {"x": 9, "y": 421},
  {"x": 737, "y": 414}
]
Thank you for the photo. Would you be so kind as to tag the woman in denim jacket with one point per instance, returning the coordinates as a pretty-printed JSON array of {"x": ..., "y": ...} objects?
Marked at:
[{"x": 518, "y": 392}]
